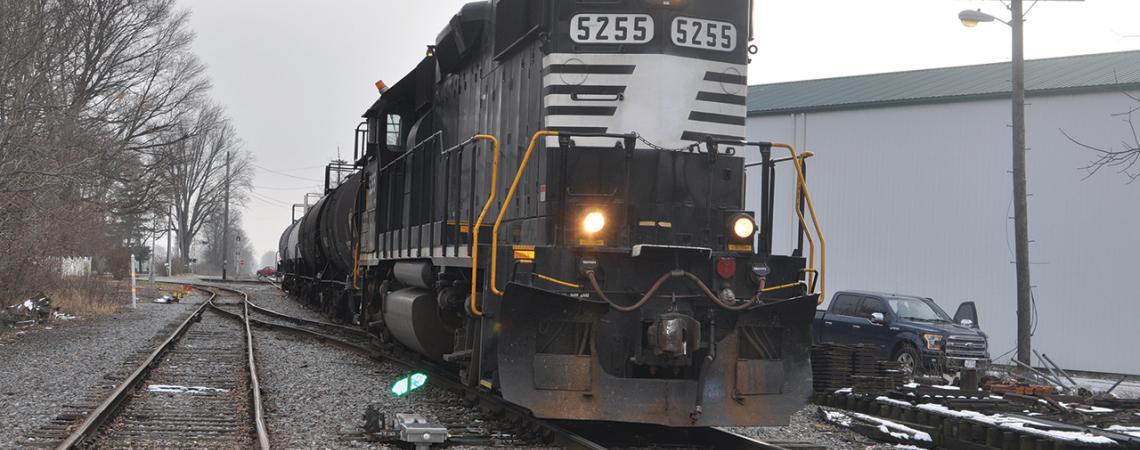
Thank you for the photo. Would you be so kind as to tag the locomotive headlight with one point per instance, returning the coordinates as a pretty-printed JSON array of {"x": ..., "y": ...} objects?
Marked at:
[
  {"x": 593, "y": 222},
  {"x": 743, "y": 226}
]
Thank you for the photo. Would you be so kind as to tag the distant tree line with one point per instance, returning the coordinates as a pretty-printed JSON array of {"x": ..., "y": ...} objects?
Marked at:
[{"x": 108, "y": 136}]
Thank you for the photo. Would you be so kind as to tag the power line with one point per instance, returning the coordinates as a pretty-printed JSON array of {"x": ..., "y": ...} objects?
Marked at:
[
  {"x": 294, "y": 188},
  {"x": 287, "y": 175}
]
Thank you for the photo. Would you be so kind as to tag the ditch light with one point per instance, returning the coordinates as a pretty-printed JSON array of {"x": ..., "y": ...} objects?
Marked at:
[{"x": 407, "y": 384}]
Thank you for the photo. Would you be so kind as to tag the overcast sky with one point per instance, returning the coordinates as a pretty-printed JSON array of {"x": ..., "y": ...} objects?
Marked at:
[{"x": 296, "y": 75}]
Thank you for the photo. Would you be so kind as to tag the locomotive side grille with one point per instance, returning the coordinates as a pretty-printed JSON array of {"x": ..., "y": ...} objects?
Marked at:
[{"x": 966, "y": 346}]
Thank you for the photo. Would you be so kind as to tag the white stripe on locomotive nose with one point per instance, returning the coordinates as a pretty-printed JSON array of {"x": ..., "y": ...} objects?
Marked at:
[
  {"x": 660, "y": 96},
  {"x": 713, "y": 129}
]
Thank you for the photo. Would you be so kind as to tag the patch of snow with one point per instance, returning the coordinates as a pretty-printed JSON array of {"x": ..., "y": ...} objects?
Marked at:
[
  {"x": 1133, "y": 431},
  {"x": 61, "y": 316},
  {"x": 1127, "y": 389},
  {"x": 896, "y": 430},
  {"x": 1087, "y": 408},
  {"x": 907, "y": 447},
  {"x": 911, "y": 385},
  {"x": 1020, "y": 425},
  {"x": 948, "y": 388},
  {"x": 892, "y": 401},
  {"x": 194, "y": 390},
  {"x": 29, "y": 305},
  {"x": 838, "y": 418},
  {"x": 843, "y": 391}
]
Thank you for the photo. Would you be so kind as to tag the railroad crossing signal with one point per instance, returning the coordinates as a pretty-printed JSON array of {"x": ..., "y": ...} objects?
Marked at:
[{"x": 408, "y": 384}]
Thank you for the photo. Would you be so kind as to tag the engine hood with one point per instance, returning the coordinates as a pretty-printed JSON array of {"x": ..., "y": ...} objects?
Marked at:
[{"x": 948, "y": 329}]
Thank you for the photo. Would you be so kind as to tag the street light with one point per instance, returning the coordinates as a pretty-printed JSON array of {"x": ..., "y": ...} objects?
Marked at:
[
  {"x": 970, "y": 18},
  {"x": 1020, "y": 202}
]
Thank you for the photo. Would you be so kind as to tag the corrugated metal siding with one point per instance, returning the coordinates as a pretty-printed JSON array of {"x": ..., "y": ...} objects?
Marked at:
[
  {"x": 915, "y": 199},
  {"x": 1101, "y": 71}
]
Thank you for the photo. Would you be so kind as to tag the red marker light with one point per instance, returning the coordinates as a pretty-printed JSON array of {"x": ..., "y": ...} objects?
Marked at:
[{"x": 726, "y": 267}]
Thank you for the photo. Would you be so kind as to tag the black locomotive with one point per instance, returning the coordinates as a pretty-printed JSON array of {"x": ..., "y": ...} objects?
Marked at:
[{"x": 552, "y": 203}]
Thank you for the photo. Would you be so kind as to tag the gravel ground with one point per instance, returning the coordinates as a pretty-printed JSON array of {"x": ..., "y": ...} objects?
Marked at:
[
  {"x": 306, "y": 410},
  {"x": 44, "y": 367},
  {"x": 807, "y": 427}
]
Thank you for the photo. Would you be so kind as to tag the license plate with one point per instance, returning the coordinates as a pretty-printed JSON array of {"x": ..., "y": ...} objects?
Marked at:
[
  {"x": 970, "y": 364},
  {"x": 704, "y": 34},
  {"x": 611, "y": 28}
]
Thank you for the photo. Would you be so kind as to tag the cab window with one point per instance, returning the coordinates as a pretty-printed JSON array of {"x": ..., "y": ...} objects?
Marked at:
[
  {"x": 845, "y": 305},
  {"x": 871, "y": 305},
  {"x": 392, "y": 130}
]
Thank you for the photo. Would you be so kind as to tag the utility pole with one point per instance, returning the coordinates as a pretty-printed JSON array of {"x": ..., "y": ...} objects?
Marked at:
[
  {"x": 1020, "y": 195},
  {"x": 153, "y": 246},
  {"x": 169, "y": 233},
  {"x": 226, "y": 221}
]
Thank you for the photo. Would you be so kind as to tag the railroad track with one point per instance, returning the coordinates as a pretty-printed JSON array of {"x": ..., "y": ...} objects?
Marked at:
[
  {"x": 198, "y": 388},
  {"x": 571, "y": 435}
]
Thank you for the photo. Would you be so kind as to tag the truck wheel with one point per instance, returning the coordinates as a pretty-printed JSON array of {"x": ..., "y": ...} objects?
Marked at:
[{"x": 907, "y": 356}]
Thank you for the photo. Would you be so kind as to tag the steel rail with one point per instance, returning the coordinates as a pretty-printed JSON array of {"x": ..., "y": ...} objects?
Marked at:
[
  {"x": 99, "y": 416},
  {"x": 301, "y": 320},
  {"x": 254, "y": 381},
  {"x": 121, "y": 394}
]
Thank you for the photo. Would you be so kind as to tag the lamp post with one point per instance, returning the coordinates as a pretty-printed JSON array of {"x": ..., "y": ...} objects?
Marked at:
[{"x": 971, "y": 19}]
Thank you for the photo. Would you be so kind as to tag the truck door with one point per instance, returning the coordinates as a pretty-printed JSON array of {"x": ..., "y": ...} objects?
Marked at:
[
  {"x": 839, "y": 319},
  {"x": 867, "y": 331}
]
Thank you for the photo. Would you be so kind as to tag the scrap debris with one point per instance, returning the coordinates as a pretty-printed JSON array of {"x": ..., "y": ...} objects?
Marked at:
[
  {"x": 1044, "y": 406},
  {"x": 32, "y": 311},
  {"x": 412, "y": 429}
]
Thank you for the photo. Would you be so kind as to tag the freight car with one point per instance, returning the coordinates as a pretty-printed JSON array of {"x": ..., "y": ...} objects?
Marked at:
[{"x": 552, "y": 202}]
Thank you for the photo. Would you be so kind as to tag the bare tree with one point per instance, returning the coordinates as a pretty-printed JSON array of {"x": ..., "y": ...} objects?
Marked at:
[
  {"x": 1124, "y": 158},
  {"x": 195, "y": 171},
  {"x": 92, "y": 93}
]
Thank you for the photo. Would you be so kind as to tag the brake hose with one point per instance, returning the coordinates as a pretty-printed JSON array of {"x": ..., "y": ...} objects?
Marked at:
[{"x": 657, "y": 285}]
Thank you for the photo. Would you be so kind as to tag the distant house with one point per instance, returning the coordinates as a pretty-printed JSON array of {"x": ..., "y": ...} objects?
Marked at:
[
  {"x": 79, "y": 266},
  {"x": 911, "y": 181}
]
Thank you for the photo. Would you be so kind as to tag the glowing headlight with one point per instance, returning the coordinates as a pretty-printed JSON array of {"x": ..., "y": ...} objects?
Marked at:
[
  {"x": 593, "y": 222},
  {"x": 743, "y": 227}
]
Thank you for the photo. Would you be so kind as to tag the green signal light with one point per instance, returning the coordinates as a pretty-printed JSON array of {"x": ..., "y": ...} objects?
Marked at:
[{"x": 408, "y": 384}]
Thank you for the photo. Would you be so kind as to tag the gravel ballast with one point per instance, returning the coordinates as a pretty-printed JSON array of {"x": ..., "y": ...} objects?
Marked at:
[
  {"x": 806, "y": 426},
  {"x": 316, "y": 395},
  {"x": 50, "y": 365}
]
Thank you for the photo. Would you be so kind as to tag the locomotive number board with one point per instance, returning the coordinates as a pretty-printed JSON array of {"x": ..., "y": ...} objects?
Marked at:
[
  {"x": 611, "y": 28},
  {"x": 704, "y": 34},
  {"x": 639, "y": 29}
]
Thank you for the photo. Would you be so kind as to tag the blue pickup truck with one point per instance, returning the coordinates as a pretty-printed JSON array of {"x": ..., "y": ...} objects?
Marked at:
[{"x": 911, "y": 330}]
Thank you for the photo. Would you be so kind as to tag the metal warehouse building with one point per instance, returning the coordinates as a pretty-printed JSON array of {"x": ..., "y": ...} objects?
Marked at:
[{"x": 911, "y": 179}]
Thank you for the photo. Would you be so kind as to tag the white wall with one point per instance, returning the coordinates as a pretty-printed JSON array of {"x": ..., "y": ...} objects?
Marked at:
[{"x": 916, "y": 199}]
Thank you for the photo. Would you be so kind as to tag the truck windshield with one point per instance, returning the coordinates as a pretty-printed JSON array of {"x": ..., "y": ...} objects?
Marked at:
[{"x": 916, "y": 309}]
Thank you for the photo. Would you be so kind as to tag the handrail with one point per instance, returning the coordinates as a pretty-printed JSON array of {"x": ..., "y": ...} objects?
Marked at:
[
  {"x": 802, "y": 184},
  {"x": 475, "y": 227},
  {"x": 506, "y": 202}
]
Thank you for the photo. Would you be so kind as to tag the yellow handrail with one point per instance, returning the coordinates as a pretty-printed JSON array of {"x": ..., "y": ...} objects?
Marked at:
[
  {"x": 507, "y": 201},
  {"x": 478, "y": 223},
  {"x": 802, "y": 184}
]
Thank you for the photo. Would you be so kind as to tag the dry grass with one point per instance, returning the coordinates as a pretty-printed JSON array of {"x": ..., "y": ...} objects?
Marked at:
[{"x": 89, "y": 297}]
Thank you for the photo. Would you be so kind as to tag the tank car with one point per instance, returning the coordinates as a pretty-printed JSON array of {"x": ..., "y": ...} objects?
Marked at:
[{"x": 552, "y": 202}]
